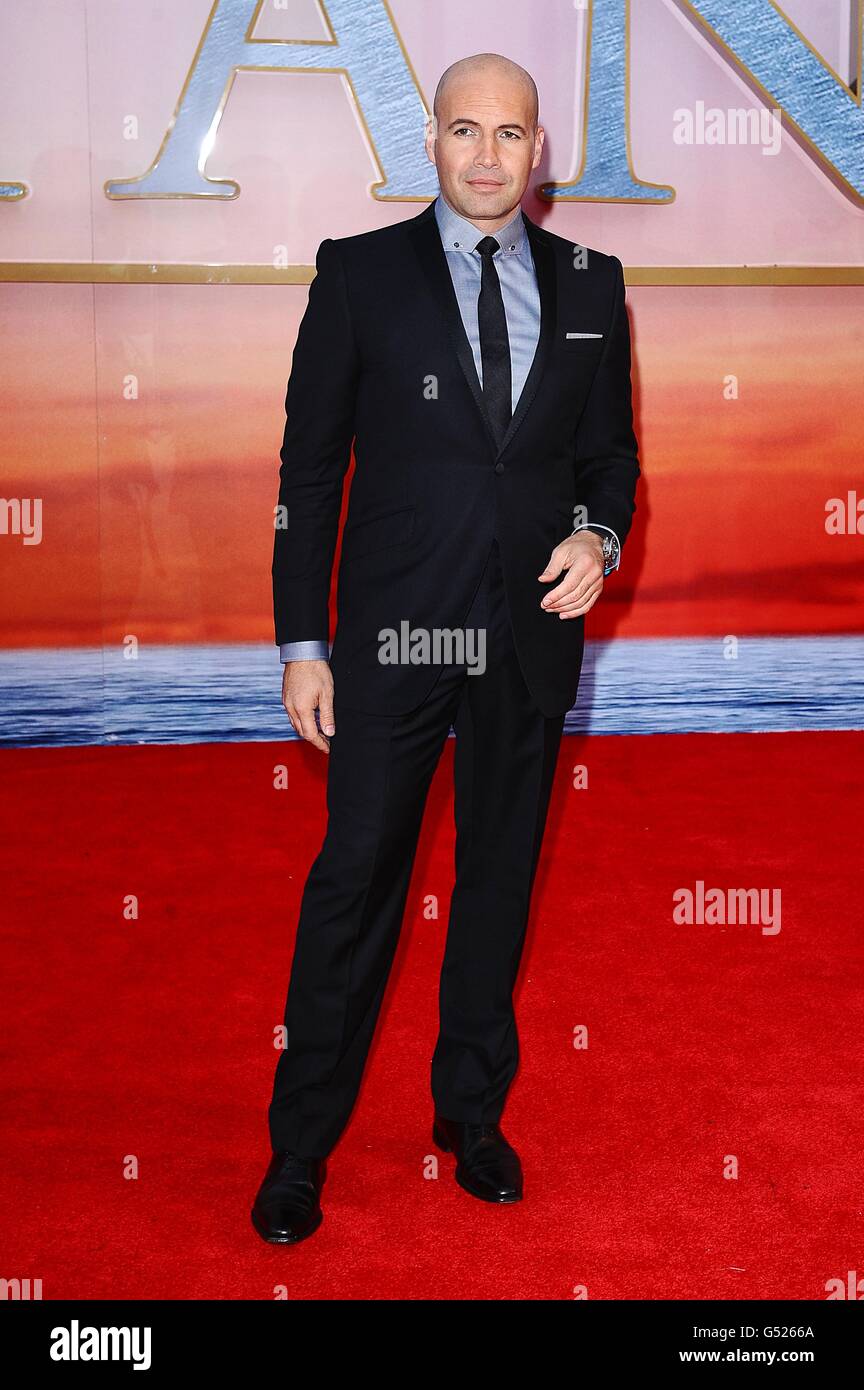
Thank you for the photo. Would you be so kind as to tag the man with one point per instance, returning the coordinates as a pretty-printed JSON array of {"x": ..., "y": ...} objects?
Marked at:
[{"x": 481, "y": 366}]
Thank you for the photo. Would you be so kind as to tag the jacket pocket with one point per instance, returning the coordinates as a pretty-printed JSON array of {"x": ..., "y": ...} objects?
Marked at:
[
  {"x": 378, "y": 532},
  {"x": 583, "y": 344}
]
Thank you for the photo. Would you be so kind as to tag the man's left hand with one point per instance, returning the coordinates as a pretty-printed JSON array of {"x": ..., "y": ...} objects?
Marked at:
[{"x": 582, "y": 557}]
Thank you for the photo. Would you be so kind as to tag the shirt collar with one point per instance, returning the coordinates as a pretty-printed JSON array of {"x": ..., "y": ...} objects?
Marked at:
[{"x": 457, "y": 233}]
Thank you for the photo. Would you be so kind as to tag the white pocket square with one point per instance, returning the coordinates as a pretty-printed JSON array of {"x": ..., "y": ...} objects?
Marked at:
[{"x": 584, "y": 335}]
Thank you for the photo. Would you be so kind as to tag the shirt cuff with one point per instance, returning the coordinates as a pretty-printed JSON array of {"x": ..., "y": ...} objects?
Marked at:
[
  {"x": 304, "y": 651},
  {"x": 595, "y": 526}
]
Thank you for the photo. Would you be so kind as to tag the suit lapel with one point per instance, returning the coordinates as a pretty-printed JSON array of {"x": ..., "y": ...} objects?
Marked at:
[
  {"x": 544, "y": 265},
  {"x": 423, "y": 231},
  {"x": 433, "y": 258}
]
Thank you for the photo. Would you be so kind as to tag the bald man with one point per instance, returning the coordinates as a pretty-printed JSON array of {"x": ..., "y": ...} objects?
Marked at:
[{"x": 481, "y": 368}]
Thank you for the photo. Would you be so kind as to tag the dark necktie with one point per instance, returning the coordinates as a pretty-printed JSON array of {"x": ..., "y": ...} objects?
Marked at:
[{"x": 494, "y": 342}]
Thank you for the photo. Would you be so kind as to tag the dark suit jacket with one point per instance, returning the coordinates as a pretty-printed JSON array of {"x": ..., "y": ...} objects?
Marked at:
[{"x": 382, "y": 359}]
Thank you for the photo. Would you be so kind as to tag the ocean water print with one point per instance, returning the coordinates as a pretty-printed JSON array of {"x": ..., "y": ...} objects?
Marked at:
[{"x": 231, "y": 692}]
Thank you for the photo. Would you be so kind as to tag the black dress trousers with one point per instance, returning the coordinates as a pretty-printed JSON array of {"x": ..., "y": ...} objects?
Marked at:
[{"x": 378, "y": 776}]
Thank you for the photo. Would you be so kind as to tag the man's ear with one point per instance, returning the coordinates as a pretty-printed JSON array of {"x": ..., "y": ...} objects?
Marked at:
[{"x": 538, "y": 151}]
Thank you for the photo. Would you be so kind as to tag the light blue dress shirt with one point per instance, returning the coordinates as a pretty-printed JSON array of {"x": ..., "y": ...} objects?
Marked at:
[
  {"x": 516, "y": 275},
  {"x": 518, "y": 279}
]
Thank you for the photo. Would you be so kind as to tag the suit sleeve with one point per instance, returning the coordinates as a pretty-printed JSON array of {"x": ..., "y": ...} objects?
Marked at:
[
  {"x": 607, "y": 463},
  {"x": 316, "y": 450}
]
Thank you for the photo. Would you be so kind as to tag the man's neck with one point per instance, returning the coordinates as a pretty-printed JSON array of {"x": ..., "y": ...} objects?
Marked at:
[{"x": 488, "y": 225}]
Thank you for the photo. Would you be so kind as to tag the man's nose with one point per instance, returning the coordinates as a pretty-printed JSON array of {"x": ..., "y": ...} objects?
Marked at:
[{"x": 487, "y": 155}]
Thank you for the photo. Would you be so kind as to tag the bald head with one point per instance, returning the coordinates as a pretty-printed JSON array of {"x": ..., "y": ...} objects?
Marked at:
[
  {"x": 485, "y": 68},
  {"x": 484, "y": 137}
]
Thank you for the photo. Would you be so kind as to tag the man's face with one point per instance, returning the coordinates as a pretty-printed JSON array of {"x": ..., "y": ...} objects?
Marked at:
[{"x": 485, "y": 147}]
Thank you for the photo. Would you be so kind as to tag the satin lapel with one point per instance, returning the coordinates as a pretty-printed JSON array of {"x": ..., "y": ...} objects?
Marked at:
[
  {"x": 426, "y": 238},
  {"x": 544, "y": 265},
  {"x": 423, "y": 231}
]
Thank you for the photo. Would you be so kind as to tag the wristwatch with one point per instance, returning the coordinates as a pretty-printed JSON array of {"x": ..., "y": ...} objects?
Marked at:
[{"x": 611, "y": 547}]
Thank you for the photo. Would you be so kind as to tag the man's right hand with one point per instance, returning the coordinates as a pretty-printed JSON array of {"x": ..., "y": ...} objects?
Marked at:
[{"x": 307, "y": 686}]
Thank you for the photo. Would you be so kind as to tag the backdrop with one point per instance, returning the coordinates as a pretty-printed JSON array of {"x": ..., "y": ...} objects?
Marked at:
[{"x": 168, "y": 172}]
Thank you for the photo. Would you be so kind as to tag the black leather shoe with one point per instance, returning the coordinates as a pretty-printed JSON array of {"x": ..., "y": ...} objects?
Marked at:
[
  {"x": 288, "y": 1205},
  {"x": 486, "y": 1165}
]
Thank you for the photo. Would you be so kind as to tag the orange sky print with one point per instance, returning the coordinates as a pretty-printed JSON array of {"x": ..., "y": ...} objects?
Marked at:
[{"x": 157, "y": 511}]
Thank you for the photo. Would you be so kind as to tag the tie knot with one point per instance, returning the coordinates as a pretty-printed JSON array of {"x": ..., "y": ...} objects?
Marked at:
[{"x": 487, "y": 247}]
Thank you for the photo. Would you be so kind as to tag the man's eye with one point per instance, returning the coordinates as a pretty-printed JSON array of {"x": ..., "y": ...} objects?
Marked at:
[{"x": 507, "y": 134}]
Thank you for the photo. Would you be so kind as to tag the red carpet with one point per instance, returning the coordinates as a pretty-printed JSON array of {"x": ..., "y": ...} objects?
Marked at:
[{"x": 152, "y": 1038}]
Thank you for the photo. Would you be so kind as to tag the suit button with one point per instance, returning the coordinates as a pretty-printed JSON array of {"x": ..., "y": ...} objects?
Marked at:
[{"x": 499, "y": 468}]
